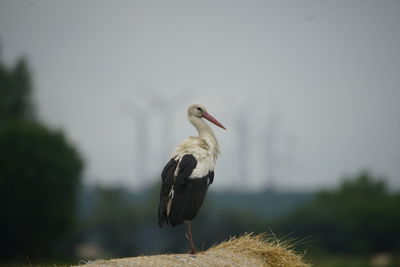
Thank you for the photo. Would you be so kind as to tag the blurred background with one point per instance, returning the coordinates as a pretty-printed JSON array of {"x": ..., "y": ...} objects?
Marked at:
[{"x": 93, "y": 99}]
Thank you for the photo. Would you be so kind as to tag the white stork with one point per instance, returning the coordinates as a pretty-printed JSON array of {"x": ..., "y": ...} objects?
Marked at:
[{"x": 189, "y": 173}]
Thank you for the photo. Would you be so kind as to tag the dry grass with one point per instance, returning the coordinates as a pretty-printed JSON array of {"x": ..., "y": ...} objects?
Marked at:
[
  {"x": 246, "y": 250},
  {"x": 266, "y": 248}
]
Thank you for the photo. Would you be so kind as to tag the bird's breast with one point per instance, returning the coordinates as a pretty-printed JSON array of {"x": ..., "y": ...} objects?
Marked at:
[
  {"x": 203, "y": 151},
  {"x": 203, "y": 168},
  {"x": 203, "y": 155}
]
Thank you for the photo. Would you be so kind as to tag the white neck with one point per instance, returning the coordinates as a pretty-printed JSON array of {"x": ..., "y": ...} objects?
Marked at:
[{"x": 205, "y": 133}]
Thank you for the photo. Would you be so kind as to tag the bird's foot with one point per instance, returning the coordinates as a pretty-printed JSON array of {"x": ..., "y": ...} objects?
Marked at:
[{"x": 193, "y": 251}]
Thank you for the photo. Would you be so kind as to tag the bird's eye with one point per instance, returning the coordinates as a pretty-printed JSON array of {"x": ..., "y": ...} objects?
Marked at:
[{"x": 199, "y": 109}]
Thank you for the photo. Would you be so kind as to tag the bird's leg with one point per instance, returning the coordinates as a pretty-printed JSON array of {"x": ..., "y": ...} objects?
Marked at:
[{"x": 190, "y": 237}]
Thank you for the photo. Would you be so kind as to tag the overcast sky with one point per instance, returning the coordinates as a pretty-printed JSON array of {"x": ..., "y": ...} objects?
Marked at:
[{"x": 309, "y": 90}]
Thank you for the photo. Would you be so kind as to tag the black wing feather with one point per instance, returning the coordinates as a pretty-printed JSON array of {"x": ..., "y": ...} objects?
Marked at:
[
  {"x": 167, "y": 177},
  {"x": 186, "y": 166},
  {"x": 188, "y": 193},
  {"x": 170, "y": 164}
]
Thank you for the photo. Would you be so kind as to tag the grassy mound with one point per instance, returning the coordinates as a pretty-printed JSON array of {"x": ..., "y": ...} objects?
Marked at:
[{"x": 246, "y": 250}]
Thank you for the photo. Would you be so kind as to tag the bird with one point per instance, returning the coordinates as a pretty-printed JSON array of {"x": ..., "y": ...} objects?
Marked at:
[{"x": 188, "y": 174}]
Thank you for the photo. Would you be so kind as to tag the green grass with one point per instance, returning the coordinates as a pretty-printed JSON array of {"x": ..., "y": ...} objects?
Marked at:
[
  {"x": 345, "y": 261},
  {"x": 339, "y": 261}
]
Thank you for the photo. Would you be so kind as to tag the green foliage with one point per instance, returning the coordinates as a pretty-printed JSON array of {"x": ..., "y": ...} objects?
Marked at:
[
  {"x": 15, "y": 92},
  {"x": 360, "y": 217},
  {"x": 266, "y": 204},
  {"x": 111, "y": 221},
  {"x": 40, "y": 174},
  {"x": 39, "y": 178}
]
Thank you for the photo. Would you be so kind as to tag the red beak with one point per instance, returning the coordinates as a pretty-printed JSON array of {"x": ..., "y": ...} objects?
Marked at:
[{"x": 213, "y": 120}]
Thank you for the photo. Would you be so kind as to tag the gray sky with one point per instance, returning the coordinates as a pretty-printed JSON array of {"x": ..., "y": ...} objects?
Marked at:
[{"x": 309, "y": 90}]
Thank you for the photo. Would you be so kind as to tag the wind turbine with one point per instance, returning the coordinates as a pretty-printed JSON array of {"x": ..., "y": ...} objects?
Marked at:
[{"x": 141, "y": 117}]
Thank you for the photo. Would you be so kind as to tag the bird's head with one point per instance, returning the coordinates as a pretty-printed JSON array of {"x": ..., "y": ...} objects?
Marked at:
[{"x": 200, "y": 111}]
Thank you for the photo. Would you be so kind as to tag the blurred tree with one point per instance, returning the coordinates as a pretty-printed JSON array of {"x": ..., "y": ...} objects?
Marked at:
[
  {"x": 360, "y": 217},
  {"x": 39, "y": 178},
  {"x": 40, "y": 173},
  {"x": 112, "y": 222},
  {"x": 15, "y": 92}
]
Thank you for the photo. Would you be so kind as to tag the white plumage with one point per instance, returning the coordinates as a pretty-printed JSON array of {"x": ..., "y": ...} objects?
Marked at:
[{"x": 203, "y": 150}]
